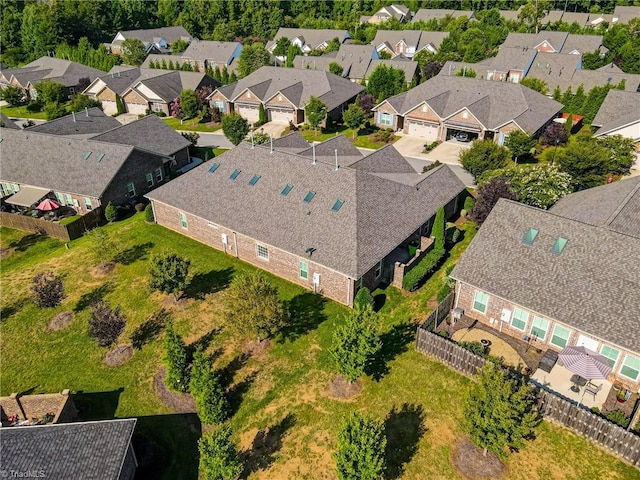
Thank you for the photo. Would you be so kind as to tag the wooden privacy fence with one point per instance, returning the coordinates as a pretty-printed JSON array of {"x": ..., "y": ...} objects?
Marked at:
[
  {"x": 441, "y": 311},
  {"x": 612, "y": 437},
  {"x": 65, "y": 233}
]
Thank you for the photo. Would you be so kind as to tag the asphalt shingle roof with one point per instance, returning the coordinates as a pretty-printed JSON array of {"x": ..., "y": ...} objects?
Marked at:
[
  {"x": 312, "y": 37},
  {"x": 619, "y": 108},
  {"x": 89, "y": 450},
  {"x": 151, "y": 35},
  {"x": 219, "y": 52},
  {"x": 377, "y": 214},
  {"x": 89, "y": 122},
  {"x": 293, "y": 142},
  {"x": 66, "y": 72},
  {"x": 7, "y": 122},
  {"x": 591, "y": 285},
  {"x": 168, "y": 85},
  {"x": 118, "y": 80}
]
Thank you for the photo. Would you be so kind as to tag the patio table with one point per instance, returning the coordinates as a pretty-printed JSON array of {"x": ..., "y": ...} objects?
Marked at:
[{"x": 578, "y": 382}]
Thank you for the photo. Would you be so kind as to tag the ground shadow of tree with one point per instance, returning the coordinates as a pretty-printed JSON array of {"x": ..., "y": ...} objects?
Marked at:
[
  {"x": 150, "y": 329},
  {"x": 305, "y": 312},
  {"x": 404, "y": 428},
  {"x": 27, "y": 241},
  {"x": 12, "y": 308},
  {"x": 204, "y": 341},
  {"x": 204, "y": 283},
  {"x": 394, "y": 342},
  {"x": 235, "y": 391},
  {"x": 98, "y": 293},
  {"x": 266, "y": 444},
  {"x": 133, "y": 254}
]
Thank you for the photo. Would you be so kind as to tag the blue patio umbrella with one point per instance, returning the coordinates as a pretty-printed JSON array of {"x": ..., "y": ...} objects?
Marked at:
[{"x": 585, "y": 362}]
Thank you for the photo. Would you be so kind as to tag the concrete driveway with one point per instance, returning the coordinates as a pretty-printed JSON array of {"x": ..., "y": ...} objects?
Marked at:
[
  {"x": 272, "y": 128},
  {"x": 410, "y": 146},
  {"x": 448, "y": 152}
]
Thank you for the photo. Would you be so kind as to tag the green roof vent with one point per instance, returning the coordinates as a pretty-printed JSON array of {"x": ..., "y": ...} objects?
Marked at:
[
  {"x": 214, "y": 167},
  {"x": 309, "y": 196},
  {"x": 235, "y": 174},
  {"x": 254, "y": 180},
  {"x": 558, "y": 245},
  {"x": 337, "y": 205},
  {"x": 529, "y": 236},
  {"x": 285, "y": 191}
]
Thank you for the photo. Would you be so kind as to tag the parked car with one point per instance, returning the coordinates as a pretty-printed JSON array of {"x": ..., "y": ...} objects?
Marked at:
[{"x": 462, "y": 137}]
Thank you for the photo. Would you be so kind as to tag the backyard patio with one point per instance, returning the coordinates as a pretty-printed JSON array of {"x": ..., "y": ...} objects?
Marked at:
[{"x": 568, "y": 385}]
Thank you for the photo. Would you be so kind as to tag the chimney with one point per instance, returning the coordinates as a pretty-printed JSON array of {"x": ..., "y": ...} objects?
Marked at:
[
  {"x": 74, "y": 116},
  {"x": 314, "y": 153},
  {"x": 336, "y": 152}
]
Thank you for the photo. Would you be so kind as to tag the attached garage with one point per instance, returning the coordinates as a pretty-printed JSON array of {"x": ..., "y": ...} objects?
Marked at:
[
  {"x": 137, "y": 108},
  {"x": 109, "y": 107},
  {"x": 281, "y": 116},
  {"x": 426, "y": 130},
  {"x": 250, "y": 113}
]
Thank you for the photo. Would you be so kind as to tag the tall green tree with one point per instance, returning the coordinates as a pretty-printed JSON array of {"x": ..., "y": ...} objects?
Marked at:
[
  {"x": 336, "y": 68},
  {"x": 189, "y": 103},
  {"x": 482, "y": 156},
  {"x": 354, "y": 117},
  {"x": 39, "y": 29},
  {"x": 361, "y": 449},
  {"x": 356, "y": 343},
  {"x": 535, "y": 84},
  {"x": 234, "y": 127},
  {"x": 438, "y": 230},
  {"x": 292, "y": 52},
  {"x": 520, "y": 144},
  {"x": 205, "y": 387},
  {"x": 315, "y": 111},
  {"x": 50, "y": 91},
  {"x": 13, "y": 95},
  {"x": 219, "y": 459},
  {"x": 169, "y": 273},
  {"x": 498, "y": 412},
  {"x": 132, "y": 51},
  {"x": 252, "y": 58},
  {"x": 175, "y": 360},
  {"x": 282, "y": 46},
  {"x": 384, "y": 82},
  {"x": 488, "y": 195}
]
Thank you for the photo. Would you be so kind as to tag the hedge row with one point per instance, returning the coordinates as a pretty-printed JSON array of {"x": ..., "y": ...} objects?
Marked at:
[{"x": 425, "y": 266}]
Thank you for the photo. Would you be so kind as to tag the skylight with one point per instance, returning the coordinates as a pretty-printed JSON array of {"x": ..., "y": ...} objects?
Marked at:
[
  {"x": 337, "y": 205},
  {"x": 99, "y": 157},
  {"x": 254, "y": 180},
  {"x": 285, "y": 191},
  {"x": 309, "y": 196},
  {"x": 235, "y": 174},
  {"x": 86, "y": 155},
  {"x": 214, "y": 167},
  {"x": 558, "y": 245},
  {"x": 529, "y": 236}
]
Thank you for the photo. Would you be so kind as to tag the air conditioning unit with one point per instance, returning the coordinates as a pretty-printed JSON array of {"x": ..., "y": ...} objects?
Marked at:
[{"x": 456, "y": 314}]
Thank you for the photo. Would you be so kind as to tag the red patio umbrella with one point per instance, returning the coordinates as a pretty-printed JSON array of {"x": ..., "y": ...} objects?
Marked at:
[{"x": 47, "y": 205}]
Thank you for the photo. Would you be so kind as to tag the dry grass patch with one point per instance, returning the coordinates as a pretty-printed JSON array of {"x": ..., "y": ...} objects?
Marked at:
[
  {"x": 118, "y": 355},
  {"x": 59, "y": 321},
  {"x": 473, "y": 465}
]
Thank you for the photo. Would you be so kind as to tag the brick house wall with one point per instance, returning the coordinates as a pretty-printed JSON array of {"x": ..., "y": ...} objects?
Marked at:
[
  {"x": 333, "y": 284},
  {"x": 134, "y": 98},
  {"x": 218, "y": 97},
  {"x": 134, "y": 170},
  {"x": 106, "y": 94},
  {"x": 465, "y": 298},
  {"x": 74, "y": 200},
  {"x": 386, "y": 108}
]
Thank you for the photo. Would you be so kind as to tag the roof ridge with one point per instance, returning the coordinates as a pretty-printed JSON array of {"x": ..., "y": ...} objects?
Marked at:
[{"x": 623, "y": 204}]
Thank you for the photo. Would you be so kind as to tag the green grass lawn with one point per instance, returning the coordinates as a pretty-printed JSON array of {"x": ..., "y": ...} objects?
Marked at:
[
  {"x": 192, "y": 125},
  {"x": 22, "y": 112},
  {"x": 284, "y": 420},
  {"x": 363, "y": 140},
  {"x": 209, "y": 152}
]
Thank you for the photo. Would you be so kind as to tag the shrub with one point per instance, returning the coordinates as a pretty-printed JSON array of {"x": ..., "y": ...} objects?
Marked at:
[
  {"x": 435, "y": 164},
  {"x": 168, "y": 273},
  {"x": 361, "y": 448},
  {"x": 618, "y": 417},
  {"x": 453, "y": 235},
  {"x": 139, "y": 207},
  {"x": 211, "y": 404},
  {"x": 469, "y": 203},
  {"x": 175, "y": 360},
  {"x": 54, "y": 110},
  {"x": 34, "y": 106},
  {"x": 292, "y": 126},
  {"x": 384, "y": 135},
  {"x": 105, "y": 324},
  {"x": 425, "y": 266},
  {"x": 363, "y": 298},
  {"x": 47, "y": 289},
  {"x": 430, "y": 146},
  {"x": 473, "y": 347},
  {"x": 111, "y": 212},
  {"x": 148, "y": 214},
  {"x": 219, "y": 459}
]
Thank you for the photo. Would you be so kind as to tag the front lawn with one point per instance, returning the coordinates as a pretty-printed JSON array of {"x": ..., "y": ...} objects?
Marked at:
[
  {"x": 191, "y": 125},
  {"x": 22, "y": 112},
  {"x": 283, "y": 418}
]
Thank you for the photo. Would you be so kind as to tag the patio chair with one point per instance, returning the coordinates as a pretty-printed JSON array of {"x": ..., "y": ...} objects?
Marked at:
[{"x": 593, "y": 389}]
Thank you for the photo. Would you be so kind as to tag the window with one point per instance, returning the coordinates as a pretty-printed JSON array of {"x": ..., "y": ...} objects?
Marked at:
[
  {"x": 67, "y": 199},
  {"x": 8, "y": 188},
  {"x": 611, "y": 354},
  {"x": 304, "y": 270},
  {"x": 480, "y": 301},
  {"x": 159, "y": 175},
  {"x": 183, "y": 220},
  {"x": 529, "y": 236},
  {"x": 539, "y": 328},
  {"x": 60, "y": 198},
  {"x": 254, "y": 180},
  {"x": 219, "y": 104},
  {"x": 285, "y": 191},
  {"x": 558, "y": 245},
  {"x": 378, "y": 270},
  {"x": 214, "y": 166},
  {"x": 337, "y": 205},
  {"x": 235, "y": 174},
  {"x": 16, "y": 188},
  {"x": 630, "y": 367},
  {"x": 519, "y": 319},
  {"x": 149, "y": 179},
  {"x": 309, "y": 196},
  {"x": 385, "y": 119},
  {"x": 560, "y": 336},
  {"x": 131, "y": 190},
  {"x": 72, "y": 90},
  {"x": 157, "y": 107},
  {"x": 263, "y": 252},
  {"x": 357, "y": 285},
  {"x": 87, "y": 203}
]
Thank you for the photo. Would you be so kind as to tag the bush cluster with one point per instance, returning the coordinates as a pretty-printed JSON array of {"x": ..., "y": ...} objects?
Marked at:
[
  {"x": 383, "y": 135},
  {"x": 426, "y": 266},
  {"x": 430, "y": 146},
  {"x": 435, "y": 164}
]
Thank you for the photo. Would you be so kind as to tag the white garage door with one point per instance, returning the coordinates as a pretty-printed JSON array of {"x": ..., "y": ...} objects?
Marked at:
[
  {"x": 137, "y": 108},
  {"x": 281, "y": 116},
  {"x": 424, "y": 130},
  {"x": 249, "y": 113},
  {"x": 109, "y": 108}
]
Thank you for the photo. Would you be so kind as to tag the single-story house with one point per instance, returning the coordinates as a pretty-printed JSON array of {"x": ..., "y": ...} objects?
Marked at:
[
  {"x": 307, "y": 39},
  {"x": 442, "y": 106},
  {"x": 155, "y": 89},
  {"x": 201, "y": 54},
  {"x": 625, "y": 14},
  {"x": 399, "y": 12},
  {"x": 559, "y": 280},
  {"x": 27, "y": 410},
  {"x": 108, "y": 87},
  {"x": 84, "y": 124},
  {"x": 327, "y": 221},
  {"x": 284, "y": 92},
  {"x": 427, "y": 14},
  {"x": 155, "y": 40},
  {"x": 65, "y": 72},
  {"x": 407, "y": 42},
  {"x": 99, "y": 449},
  {"x": 86, "y": 173},
  {"x": 556, "y": 42}
]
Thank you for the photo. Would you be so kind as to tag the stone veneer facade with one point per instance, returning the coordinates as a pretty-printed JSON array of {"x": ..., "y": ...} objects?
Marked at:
[{"x": 465, "y": 295}]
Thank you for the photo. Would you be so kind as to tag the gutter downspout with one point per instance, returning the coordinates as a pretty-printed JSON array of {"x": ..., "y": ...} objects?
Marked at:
[
  {"x": 349, "y": 303},
  {"x": 235, "y": 242}
]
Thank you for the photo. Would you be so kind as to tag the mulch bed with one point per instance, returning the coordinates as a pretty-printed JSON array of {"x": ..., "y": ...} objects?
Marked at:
[
  {"x": 104, "y": 269},
  {"x": 178, "y": 402},
  {"x": 60, "y": 321},
  {"x": 119, "y": 355},
  {"x": 256, "y": 349},
  {"x": 170, "y": 303},
  {"x": 342, "y": 389},
  {"x": 470, "y": 462}
]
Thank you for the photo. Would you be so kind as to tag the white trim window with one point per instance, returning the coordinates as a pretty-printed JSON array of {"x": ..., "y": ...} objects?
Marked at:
[
  {"x": 149, "y": 177},
  {"x": 158, "y": 175},
  {"x": 68, "y": 200},
  {"x": 539, "y": 328},
  {"x": 131, "y": 190},
  {"x": 304, "y": 270},
  {"x": 630, "y": 367},
  {"x": 87, "y": 203},
  {"x": 480, "y": 302},
  {"x": 60, "y": 198},
  {"x": 262, "y": 251},
  {"x": 611, "y": 354},
  {"x": 220, "y": 105},
  {"x": 560, "y": 336},
  {"x": 385, "y": 119},
  {"x": 378, "y": 270},
  {"x": 183, "y": 221},
  {"x": 519, "y": 319}
]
